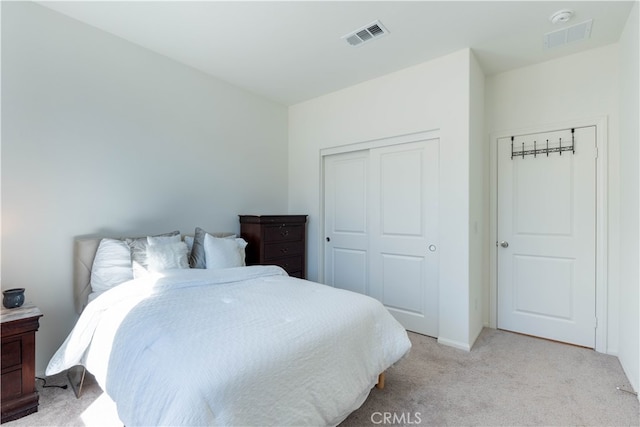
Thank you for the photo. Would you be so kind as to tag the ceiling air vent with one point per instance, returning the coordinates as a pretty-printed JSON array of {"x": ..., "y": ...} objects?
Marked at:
[
  {"x": 365, "y": 34},
  {"x": 571, "y": 34}
]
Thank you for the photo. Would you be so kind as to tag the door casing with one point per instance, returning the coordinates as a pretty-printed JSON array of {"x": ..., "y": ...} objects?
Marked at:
[{"x": 601, "y": 218}]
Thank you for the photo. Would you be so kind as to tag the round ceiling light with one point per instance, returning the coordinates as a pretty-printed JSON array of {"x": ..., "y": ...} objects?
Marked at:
[{"x": 561, "y": 16}]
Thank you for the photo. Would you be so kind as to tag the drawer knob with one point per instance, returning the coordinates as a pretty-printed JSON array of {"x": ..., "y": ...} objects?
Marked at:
[
  {"x": 284, "y": 233},
  {"x": 284, "y": 250}
]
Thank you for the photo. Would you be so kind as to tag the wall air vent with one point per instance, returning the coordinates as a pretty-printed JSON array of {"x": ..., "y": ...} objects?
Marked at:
[
  {"x": 373, "y": 31},
  {"x": 566, "y": 35}
]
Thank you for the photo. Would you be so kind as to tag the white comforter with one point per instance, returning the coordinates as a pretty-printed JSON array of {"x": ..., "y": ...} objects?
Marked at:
[{"x": 241, "y": 346}]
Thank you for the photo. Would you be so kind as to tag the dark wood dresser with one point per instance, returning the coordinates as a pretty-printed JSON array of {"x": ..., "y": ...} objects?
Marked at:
[
  {"x": 18, "y": 329},
  {"x": 276, "y": 240}
]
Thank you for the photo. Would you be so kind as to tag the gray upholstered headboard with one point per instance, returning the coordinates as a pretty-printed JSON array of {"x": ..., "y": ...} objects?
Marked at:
[{"x": 84, "y": 251}]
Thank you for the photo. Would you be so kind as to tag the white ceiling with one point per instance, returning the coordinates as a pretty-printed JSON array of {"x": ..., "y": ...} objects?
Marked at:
[{"x": 291, "y": 51}]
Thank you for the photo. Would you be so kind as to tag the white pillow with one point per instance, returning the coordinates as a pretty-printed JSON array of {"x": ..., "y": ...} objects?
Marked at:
[
  {"x": 111, "y": 266},
  {"x": 167, "y": 256},
  {"x": 197, "y": 258},
  {"x": 138, "y": 246},
  {"x": 189, "y": 241},
  {"x": 224, "y": 252}
]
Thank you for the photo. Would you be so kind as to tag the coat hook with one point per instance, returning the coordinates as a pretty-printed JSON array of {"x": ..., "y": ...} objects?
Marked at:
[{"x": 511, "y": 148}]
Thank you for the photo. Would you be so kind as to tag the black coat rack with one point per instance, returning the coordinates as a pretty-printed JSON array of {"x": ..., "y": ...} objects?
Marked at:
[{"x": 545, "y": 149}]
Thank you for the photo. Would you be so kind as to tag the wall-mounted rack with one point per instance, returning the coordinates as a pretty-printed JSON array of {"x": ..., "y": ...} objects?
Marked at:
[{"x": 545, "y": 149}]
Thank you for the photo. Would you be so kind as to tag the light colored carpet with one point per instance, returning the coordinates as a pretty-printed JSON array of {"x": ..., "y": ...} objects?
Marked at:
[{"x": 506, "y": 380}]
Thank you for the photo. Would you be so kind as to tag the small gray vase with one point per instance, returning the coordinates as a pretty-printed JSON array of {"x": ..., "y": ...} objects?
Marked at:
[{"x": 13, "y": 298}]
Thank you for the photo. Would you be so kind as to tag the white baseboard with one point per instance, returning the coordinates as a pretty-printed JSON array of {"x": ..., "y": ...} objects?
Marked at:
[{"x": 455, "y": 344}]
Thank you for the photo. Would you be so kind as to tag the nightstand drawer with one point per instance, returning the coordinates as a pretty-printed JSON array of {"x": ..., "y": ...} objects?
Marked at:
[
  {"x": 284, "y": 232},
  {"x": 18, "y": 328},
  {"x": 279, "y": 250},
  {"x": 12, "y": 384},
  {"x": 11, "y": 353}
]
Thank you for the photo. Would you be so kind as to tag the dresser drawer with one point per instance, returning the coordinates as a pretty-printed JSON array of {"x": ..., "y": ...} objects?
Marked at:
[
  {"x": 276, "y": 240},
  {"x": 284, "y": 232},
  {"x": 297, "y": 274},
  {"x": 279, "y": 250},
  {"x": 11, "y": 353},
  {"x": 289, "y": 264}
]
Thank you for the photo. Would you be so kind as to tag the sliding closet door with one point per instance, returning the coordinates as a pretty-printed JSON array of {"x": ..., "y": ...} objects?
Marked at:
[
  {"x": 381, "y": 222},
  {"x": 403, "y": 233},
  {"x": 346, "y": 255}
]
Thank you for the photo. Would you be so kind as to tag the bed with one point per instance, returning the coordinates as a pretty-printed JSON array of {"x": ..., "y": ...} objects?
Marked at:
[{"x": 237, "y": 345}]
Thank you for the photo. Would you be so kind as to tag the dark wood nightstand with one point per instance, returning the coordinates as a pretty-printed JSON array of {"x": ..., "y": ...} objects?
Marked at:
[
  {"x": 18, "y": 330},
  {"x": 276, "y": 240}
]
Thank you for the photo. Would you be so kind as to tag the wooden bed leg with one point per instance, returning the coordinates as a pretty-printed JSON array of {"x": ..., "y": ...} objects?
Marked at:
[{"x": 380, "y": 384}]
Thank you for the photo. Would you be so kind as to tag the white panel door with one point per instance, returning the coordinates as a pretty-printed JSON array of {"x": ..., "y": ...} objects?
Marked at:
[
  {"x": 546, "y": 237},
  {"x": 346, "y": 221},
  {"x": 381, "y": 219},
  {"x": 403, "y": 233}
]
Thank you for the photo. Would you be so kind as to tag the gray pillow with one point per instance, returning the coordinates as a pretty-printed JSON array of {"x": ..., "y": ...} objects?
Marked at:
[
  {"x": 197, "y": 258},
  {"x": 138, "y": 246}
]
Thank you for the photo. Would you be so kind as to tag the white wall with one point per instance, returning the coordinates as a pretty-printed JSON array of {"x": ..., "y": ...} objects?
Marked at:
[
  {"x": 575, "y": 87},
  {"x": 102, "y": 137},
  {"x": 628, "y": 352},
  {"x": 432, "y": 95},
  {"x": 478, "y": 204}
]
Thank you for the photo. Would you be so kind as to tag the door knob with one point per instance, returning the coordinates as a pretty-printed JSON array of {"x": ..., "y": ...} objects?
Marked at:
[
  {"x": 504, "y": 244},
  {"x": 328, "y": 239}
]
